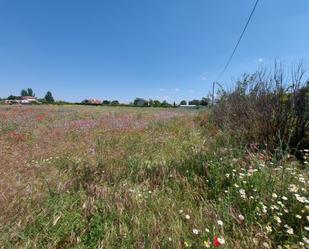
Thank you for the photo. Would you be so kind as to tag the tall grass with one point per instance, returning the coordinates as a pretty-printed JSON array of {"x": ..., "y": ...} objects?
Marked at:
[
  {"x": 268, "y": 109},
  {"x": 169, "y": 183}
]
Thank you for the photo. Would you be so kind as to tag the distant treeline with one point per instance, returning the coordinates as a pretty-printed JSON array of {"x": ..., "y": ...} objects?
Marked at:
[
  {"x": 140, "y": 102},
  {"x": 148, "y": 103}
]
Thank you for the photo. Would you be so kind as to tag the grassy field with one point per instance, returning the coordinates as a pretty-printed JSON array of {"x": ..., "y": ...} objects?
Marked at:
[{"x": 116, "y": 177}]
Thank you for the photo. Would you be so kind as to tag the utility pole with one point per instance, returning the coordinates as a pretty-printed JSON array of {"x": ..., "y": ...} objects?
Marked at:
[
  {"x": 213, "y": 91},
  {"x": 213, "y": 94}
]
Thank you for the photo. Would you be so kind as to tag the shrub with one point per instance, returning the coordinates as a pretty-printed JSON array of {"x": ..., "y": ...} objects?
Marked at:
[{"x": 267, "y": 110}]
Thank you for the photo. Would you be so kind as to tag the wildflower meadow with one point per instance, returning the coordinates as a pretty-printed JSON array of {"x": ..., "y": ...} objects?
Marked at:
[{"x": 124, "y": 177}]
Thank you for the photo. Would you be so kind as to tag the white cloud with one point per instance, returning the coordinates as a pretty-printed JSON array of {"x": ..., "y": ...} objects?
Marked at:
[
  {"x": 260, "y": 60},
  {"x": 162, "y": 89},
  {"x": 191, "y": 91},
  {"x": 204, "y": 76},
  {"x": 177, "y": 89}
]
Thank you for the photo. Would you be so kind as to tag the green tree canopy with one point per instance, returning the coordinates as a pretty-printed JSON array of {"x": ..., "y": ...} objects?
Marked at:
[
  {"x": 115, "y": 102},
  {"x": 156, "y": 103},
  {"x": 194, "y": 102},
  {"x": 28, "y": 92},
  {"x": 205, "y": 101},
  {"x": 23, "y": 93},
  {"x": 49, "y": 97},
  {"x": 106, "y": 102}
]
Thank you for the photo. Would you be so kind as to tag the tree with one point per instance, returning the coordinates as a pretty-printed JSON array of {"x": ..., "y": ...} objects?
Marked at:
[
  {"x": 204, "y": 101},
  {"x": 106, "y": 102},
  {"x": 30, "y": 92},
  {"x": 194, "y": 102},
  {"x": 115, "y": 102},
  {"x": 140, "y": 102},
  {"x": 23, "y": 93},
  {"x": 150, "y": 102},
  {"x": 165, "y": 104},
  {"x": 156, "y": 103},
  {"x": 12, "y": 97},
  {"x": 49, "y": 97},
  {"x": 183, "y": 102}
]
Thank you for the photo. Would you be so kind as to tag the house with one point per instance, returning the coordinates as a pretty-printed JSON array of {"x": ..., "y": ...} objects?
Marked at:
[
  {"x": 23, "y": 100},
  {"x": 93, "y": 102},
  {"x": 12, "y": 102},
  {"x": 28, "y": 99}
]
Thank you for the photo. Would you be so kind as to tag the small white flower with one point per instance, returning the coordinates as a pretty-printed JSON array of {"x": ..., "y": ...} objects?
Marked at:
[
  {"x": 293, "y": 188},
  {"x": 221, "y": 240},
  {"x": 277, "y": 218},
  {"x": 274, "y": 207},
  {"x": 268, "y": 229},
  {"x": 306, "y": 228},
  {"x": 289, "y": 229},
  {"x": 220, "y": 222},
  {"x": 300, "y": 198},
  {"x": 187, "y": 217},
  {"x": 265, "y": 244},
  {"x": 298, "y": 216},
  {"x": 242, "y": 193},
  {"x": 284, "y": 198},
  {"x": 207, "y": 230},
  {"x": 274, "y": 195},
  {"x": 241, "y": 217},
  {"x": 195, "y": 231}
]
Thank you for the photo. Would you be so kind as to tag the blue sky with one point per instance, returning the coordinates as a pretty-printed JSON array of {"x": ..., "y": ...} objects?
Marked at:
[{"x": 122, "y": 49}]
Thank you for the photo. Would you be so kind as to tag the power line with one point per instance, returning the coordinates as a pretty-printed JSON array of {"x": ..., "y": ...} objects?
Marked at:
[{"x": 237, "y": 44}]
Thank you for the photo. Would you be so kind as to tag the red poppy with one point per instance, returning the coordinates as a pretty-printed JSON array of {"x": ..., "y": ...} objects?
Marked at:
[
  {"x": 216, "y": 242},
  {"x": 18, "y": 137},
  {"x": 39, "y": 117}
]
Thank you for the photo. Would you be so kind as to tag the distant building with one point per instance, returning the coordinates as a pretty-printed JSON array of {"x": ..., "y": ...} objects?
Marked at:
[
  {"x": 24, "y": 100},
  {"x": 93, "y": 102},
  {"x": 12, "y": 102},
  {"x": 29, "y": 98}
]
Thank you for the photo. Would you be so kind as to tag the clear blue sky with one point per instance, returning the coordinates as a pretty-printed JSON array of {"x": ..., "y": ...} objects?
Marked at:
[{"x": 122, "y": 49}]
